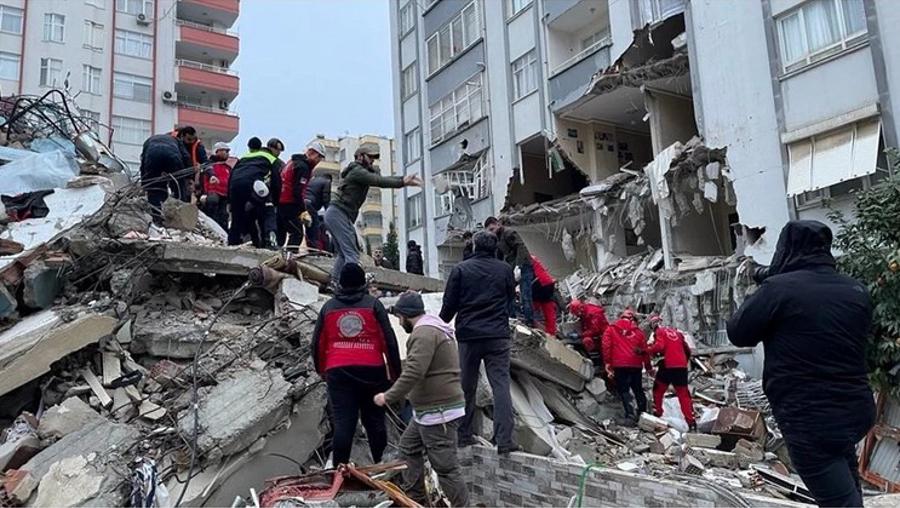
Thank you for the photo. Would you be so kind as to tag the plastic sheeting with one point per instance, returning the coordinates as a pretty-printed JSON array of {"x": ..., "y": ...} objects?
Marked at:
[{"x": 40, "y": 171}]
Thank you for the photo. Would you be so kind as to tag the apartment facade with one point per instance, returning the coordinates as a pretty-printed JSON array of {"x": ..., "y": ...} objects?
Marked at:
[
  {"x": 796, "y": 98},
  {"x": 138, "y": 67},
  {"x": 380, "y": 208}
]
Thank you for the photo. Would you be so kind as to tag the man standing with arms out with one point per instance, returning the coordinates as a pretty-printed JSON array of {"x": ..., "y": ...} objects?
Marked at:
[
  {"x": 351, "y": 340},
  {"x": 430, "y": 379},
  {"x": 414, "y": 262},
  {"x": 292, "y": 212},
  {"x": 813, "y": 323},
  {"x": 356, "y": 179},
  {"x": 514, "y": 251},
  {"x": 213, "y": 191},
  {"x": 163, "y": 158},
  {"x": 318, "y": 197},
  {"x": 624, "y": 352},
  {"x": 674, "y": 368},
  {"x": 478, "y": 293},
  {"x": 251, "y": 195}
]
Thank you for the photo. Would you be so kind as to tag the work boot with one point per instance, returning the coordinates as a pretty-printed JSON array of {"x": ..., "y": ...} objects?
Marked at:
[{"x": 506, "y": 450}]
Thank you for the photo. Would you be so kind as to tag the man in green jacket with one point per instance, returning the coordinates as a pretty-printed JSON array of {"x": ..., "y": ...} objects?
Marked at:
[
  {"x": 430, "y": 378},
  {"x": 356, "y": 179}
]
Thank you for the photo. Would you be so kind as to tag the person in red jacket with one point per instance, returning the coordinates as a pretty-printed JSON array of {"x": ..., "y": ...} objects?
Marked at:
[
  {"x": 542, "y": 292},
  {"x": 214, "y": 186},
  {"x": 593, "y": 323},
  {"x": 624, "y": 353},
  {"x": 673, "y": 370}
]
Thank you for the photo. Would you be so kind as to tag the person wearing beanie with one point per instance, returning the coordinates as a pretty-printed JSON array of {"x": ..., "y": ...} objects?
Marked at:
[
  {"x": 352, "y": 338},
  {"x": 431, "y": 382},
  {"x": 479, "y": 293}
]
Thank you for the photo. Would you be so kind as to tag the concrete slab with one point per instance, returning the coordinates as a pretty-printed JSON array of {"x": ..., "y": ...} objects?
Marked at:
[
  {"x": 65, "y": 418},
  {"x": 69, "y": 482},
  {"x": 193, "y": 258},
  {"x": 180, "y": 215},
  {"x": 297, "y": 293},
  {"x": 548, "y": 358}
]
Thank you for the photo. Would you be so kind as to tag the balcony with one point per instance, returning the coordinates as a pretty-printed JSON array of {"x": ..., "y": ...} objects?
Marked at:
[
  {"x": 198, "y": 42},
  {"x": 218, "y": 12},
  {"x": 372, "y": 231},
  {"x": 570, "y": 79},
  {"x": 328, "y": 167},
  {"x": 371, "y": 207},
  {"x": 196, "y": 78},
  {"x": 212, "y": 124}
]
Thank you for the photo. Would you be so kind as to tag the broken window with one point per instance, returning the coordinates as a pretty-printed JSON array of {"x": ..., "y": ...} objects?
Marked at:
[
  {"x": 818, "y": 29},
  {"x": 471, "y": 183}
]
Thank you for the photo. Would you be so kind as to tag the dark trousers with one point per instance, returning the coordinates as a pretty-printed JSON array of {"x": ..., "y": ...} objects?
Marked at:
[
  {"x": 248, "y": 217},
  {"x": 217, "y": 210},
  {"x": 156, "y": 195},
  {"x": 526, "y": 301},
  {"x": 830, "y": 471},
  {"x": 290, "y": 227},
  {"x": 351, "y": 391},
  {"x": 438, "y": 443},
  {"x": 495, "y": 354},
  {"x": 315, "y": 233},
  {"x": 628, "y": 382}
]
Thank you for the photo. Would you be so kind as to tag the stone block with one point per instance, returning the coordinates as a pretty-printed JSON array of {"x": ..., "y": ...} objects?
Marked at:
[
  {"x": 695, "y": 440},
  {"x": 180, "y": 215},
  {"x": 65, "y": 418},
  {"x": 69, "y": 482},
  {"x": 549, "y": 358},
  {"x": 748, "y": 452},
  {"x": 596, "y": 387},
  {"x": 19, "y": 485},
  {"x": 650, "y": 423},
  {"x": 297, "y": 293},
  {"x": 715, "y": 458}
]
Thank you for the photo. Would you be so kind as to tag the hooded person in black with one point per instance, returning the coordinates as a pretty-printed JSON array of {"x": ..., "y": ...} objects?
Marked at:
[{"x": 814, "y": 324}]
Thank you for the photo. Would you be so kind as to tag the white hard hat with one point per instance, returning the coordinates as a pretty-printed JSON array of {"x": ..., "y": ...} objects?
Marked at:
[
  {"x": 317, "y": 147},
  {"x": 221, "y": 145},
  {"x": 260, "y": 188}
]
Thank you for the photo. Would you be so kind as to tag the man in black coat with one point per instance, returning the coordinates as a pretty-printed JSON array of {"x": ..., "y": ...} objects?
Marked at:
[
  {"x": 814, "y": 324},
  {"x": 318, "y": 197},
  {"x": 478, "y": 293},
  {"x": 414, "y": 262},
  {"x": 163, "y": 158},
  {"x": 252, "y": 189}
]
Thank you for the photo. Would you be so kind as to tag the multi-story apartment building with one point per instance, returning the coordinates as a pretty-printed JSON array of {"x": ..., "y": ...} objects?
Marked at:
[
  {"x": 380, "y": 208},
  {"x": 138, "y": 67},
  {"x": 513, "y": 102}
]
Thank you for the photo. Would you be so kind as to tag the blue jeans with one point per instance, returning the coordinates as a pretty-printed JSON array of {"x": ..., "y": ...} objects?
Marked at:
[{"x": 526, "y": 280}]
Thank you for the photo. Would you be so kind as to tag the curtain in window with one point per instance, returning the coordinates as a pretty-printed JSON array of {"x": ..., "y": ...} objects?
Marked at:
[
  {"x": 792, "y": 33},
  {"x": 854, "y": 16},
  {"x": 822, "y": 27}
]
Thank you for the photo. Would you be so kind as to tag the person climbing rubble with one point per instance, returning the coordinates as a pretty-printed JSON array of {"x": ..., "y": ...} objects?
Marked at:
[
  {"x": 351, "y": 339},
  {"x": 478, "y": 294},
  {"x": 293, "y": 215},
  {"x": 814, "y": 324},
  {"x": 672, "y": 370},
  {"x": 164, "y": 162},
  {"x": 252, "y": 192},
  {"x": 431, "y": 381},
  {"x": 213, "y": 188},
  {"x": 592, "y": 318},
  {"x": 514, "y": 252},
  {"x": 543, "y": 292},
  {"x": 624, "y": 353}
]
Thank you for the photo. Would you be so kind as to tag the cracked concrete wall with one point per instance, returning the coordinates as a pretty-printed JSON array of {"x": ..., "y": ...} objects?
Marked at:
[{"x": 739, "y": 110}]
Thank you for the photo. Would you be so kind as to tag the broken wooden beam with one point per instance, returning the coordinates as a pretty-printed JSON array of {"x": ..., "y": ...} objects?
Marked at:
[
  {"x": 96, "y": 387},
  {"x": 112, "y": 368}
]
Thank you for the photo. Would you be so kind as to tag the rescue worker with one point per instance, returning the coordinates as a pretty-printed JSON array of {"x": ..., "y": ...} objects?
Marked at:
[
  {"x": 380, "y": 260},
  {"x": 414, "y": 262},
  {"x": 165, "y": 161},
  {"x": 543, "y": 292},
  {"x": 478, "y": 294},
  {"x": 197, "y": 153},
  {"x": 292, "y": 212},
  {"x": 356, "y": 179},
  {"x": 672, "y": 370},
  {"x": 592, "y": 318},
  {"x": 318, "y": 197},
  {"x": 251, "y": 191},
  {"x": 213, "y": 191},
  {"x": 624, "y": 352},
  {"x": 814, "y": 324},
  {"x": 431, "y": 381},
  {"x": 351, "y": 340},
  {"x": 514, "y": 252}
]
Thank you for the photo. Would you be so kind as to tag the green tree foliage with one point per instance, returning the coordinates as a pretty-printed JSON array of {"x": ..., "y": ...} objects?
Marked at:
[
  {"x": 870, "y": 252},
  {"x": 392, "y": 247}
]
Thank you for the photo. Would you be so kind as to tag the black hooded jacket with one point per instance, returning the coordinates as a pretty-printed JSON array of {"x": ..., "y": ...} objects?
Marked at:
[
  {"x": 414, "y": 262},
  {"x": 318, "y": 194},
  {"x": 814, "y": 324},
  {"x": 478, "y": 293}
]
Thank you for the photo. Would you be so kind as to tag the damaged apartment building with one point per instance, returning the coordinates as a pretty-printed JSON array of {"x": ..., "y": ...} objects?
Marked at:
[{"x": 686, "y": 132}]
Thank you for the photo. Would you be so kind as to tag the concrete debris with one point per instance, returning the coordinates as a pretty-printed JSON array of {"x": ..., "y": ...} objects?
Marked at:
[
  {"x": 69, "y": 482},
  {"x": 20, "y": 442},
  {"x": 650, "y": 423},
  {"x": 548, "y": 358},
  {"x": 694, "y": 440},
  {"x": 180, "y": 215},
  {"x": 65, "y": 418}
]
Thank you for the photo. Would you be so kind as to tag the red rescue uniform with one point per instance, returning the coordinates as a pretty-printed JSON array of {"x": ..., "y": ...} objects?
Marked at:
[
  {"x": 542, "y": 295},
  {"x": 673, "y": 371}
]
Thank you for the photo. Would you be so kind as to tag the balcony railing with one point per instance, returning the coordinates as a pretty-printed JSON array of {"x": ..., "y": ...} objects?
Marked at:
[
  {"x": 581, "y": 55},
  {"x": 206, "y": 67},
  {"x": 207, "y": 109},
  {"x": 200, "y": 26}
]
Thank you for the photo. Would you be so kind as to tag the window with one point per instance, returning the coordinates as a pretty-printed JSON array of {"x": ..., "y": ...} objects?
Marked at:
[
  {"x": 818, "y": 29},
  {"x": 594, "y": 39},
  {"x": 652, "y": 11},
  {"x": 11, "y": 20},
  {"x": 54, "y": 27},
  {"x": 408, "y": 81},
  {"x": 131, "y": 87},
  {"x": 414, "y": 210},
  {"x": 134, "y": 44},
  {"x": 92, "y": 119},
  {"x": 93, "y": 35},
  {"x": 472, "y": 183},
  {"x": 134, "y": 6},
  {"x": 412, "y": 146},
  {"x": 131, "y": 131},
  {"x": 90, "y": 80},
  {"x": 451, "y": 39},
  {"x": 51, "y": 72},
  {"x": 407, "y": 17},
  {"x": 517, "y": 6},
  {"x": 457, "y": 109},
  {"x": 100, "y": 4},
  {"x": 524, "y": 72},
  {"x": 9, "y": 66}
]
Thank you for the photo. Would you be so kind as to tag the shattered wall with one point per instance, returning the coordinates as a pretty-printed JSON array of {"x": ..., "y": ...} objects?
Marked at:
[
  {"x": 599, "y": 150},
  {"x": 740, "y": 113},
  {"x": 539, "y": 186}
]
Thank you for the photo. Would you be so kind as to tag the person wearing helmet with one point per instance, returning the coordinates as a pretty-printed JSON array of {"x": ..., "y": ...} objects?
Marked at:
[
  {"x": 624, "y": 353},
  {"x": 673, "y": 370},
  {"x": 292, "y": 213},
  {"x": 213, "y": 190},
  {"x": 251, "y": 195}
]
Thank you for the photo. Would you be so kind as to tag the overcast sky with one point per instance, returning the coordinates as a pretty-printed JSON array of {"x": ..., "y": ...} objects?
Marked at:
[{"x": 313, "y": 66}]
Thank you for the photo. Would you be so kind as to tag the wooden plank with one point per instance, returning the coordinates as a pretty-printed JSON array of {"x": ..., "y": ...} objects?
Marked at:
[
  {"x": 134, "y": 394},
  {"x": 96, "y": 387},
  {"x": 112, "y": 368}
]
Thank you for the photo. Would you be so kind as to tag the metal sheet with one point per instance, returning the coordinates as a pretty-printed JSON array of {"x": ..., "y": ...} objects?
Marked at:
[{"x": 885, "y": 460}]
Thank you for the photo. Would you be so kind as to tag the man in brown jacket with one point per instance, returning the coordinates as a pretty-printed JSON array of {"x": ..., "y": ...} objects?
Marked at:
[{"x": 431, "y": 381}]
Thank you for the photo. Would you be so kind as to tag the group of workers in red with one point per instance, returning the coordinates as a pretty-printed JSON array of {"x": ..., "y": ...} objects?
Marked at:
[{"x": 621, "y": 350}]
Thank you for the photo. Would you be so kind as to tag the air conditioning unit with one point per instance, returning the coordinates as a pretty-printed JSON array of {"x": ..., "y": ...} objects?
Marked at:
[
  {"x": 143, "y": 20},
  {"x": 223, "y": 105},
  {"x": 169, "y": 97}
]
